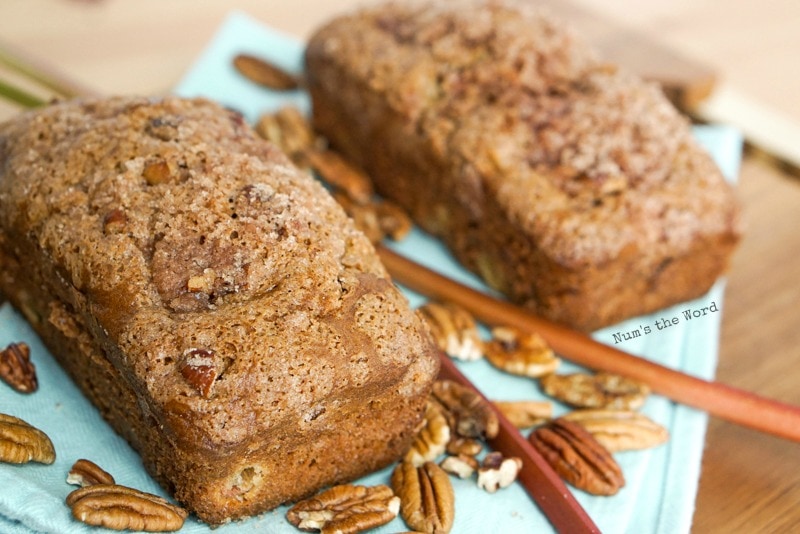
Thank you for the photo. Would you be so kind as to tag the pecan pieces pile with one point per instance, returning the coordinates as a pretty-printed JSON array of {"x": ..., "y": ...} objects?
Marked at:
[{"x": 578, "y": 444}]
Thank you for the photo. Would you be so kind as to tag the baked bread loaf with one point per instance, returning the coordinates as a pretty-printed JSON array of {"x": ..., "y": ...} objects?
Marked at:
[
  {"x": 212, "y": 300},
  {"x": 571, "y": 186}
]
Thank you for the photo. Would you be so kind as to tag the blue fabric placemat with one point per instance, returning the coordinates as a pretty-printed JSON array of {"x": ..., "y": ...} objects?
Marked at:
[{"x": 661, "y": 483}]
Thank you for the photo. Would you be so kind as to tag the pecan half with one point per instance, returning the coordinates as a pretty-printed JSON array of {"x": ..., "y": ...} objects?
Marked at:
[
  {"x": 432, "y": 439},
  {"x": 87, "y": 473},
  {"x": 345, "y": 509},
  {"x": 264, "y": 73},
  {"x": 520, "y": 353},
  {"x": 21, "y": 442},
  {"x": 16, "y": 368},
  {"x": 393, "y": 220},
  {"x": 473, "y": 416},
  {"x": 454, "y": 330},
  {"x": 365, "y": 216},
  {"x": 427, "y": 500},
  {"x": 602, "y": 390},
  {"x": 342, "y": 175},
  {"x": 288, "y": 129},
  {"x": 577, "y": 457},
  {"x": 620, "y": 430},
  {"x": 122, "y": 508},
  {"x": 525, "y": 414},
  {"x": 498, "y": 472},
  {"x": 199, "y": 369}
]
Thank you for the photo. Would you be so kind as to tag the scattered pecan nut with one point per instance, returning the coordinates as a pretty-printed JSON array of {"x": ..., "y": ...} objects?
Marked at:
[
  {"x": 393, "y": 220},
  {"x": 265, "y": 73},
  {"x": 288, "y": 129},
  {"x": 602, "y": 390},
  {"x": 431, "y": 441},
  {"x": 122, "y": 508},
  {"x": 525, "y": 413},
  {"x": 473, "y": 416},
  {"x": 345, "y": 509},
  {"x": 342, "y": 175},
  {"x": 454, "y": 330},
  {"x": 427, "y": 500},
  {"x": 520, "y": 353},
  {"x": 21, "y": 442},
  {"x": 498, "y": 472},
  {"x": 459, "y": 445},
  {"x": 460, "y": 465},
  {"x": 620, "y": 430},
  {"x": 578, "y": 457},
  {"x": 365, "y": 216},
  {"x": 87, "y": 473},
  {"x": 16, "y": 368}
]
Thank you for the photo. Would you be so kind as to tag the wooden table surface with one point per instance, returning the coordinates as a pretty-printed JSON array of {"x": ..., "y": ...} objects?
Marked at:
[{"x": 750, "y": 482}]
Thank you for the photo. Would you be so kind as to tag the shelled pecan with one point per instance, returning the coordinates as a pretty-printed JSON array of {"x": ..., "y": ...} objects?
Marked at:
[
  {"x": 473, "y": 416},
  {"x": 265, "y": 73},
  {"x": 601, "y": 390},
  {"x": 87, "y": 473},
  {"x": 454, "y": 330},
  {"x": 20, "y": 442},
  {"x": 122, "y": 508},
  {"x": 431, "y": 441},
  {"x": 525, "y": 413},
  {"x": 16, "y": 368},
  {"x": 520, "y": 353},
  {"x": 497, "y": 471},
  {"x": 577, "y": 457},
  {"x": 620, "y": 430},
  {"x": 427, "y": 500},
  {"x": 345, "y": 509}
]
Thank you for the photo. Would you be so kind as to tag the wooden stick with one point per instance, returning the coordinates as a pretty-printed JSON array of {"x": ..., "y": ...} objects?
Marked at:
[
  {"x": 725, "y": 402},
  {"x": 537, "y": 477}
]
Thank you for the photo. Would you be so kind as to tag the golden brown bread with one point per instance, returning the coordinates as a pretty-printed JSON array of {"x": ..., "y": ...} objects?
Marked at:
[
  {"x": 567, "y": 184},
  {"x": 213, "y": 301}
]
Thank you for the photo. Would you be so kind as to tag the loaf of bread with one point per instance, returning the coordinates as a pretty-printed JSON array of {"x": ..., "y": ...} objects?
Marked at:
[
  {"x": 569, "y": 185},
  {"x": 213, "y": 301}
]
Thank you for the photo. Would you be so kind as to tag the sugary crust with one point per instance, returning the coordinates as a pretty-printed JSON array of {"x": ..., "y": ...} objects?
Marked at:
[
  {"x": 568, "y": 184},
  {"x": 212, "y": 300}
]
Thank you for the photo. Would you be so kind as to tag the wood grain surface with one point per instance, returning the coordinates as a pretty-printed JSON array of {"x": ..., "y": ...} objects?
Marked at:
[{"x": 750, "y": 482}]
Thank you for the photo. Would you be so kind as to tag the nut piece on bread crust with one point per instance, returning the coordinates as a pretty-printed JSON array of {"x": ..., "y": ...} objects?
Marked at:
[
  {"x": 226, "y": 318},
  {"x": 570, "y": 185}
]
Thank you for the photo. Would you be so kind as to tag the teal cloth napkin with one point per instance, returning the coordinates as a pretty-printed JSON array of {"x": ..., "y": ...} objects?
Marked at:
[{"x": 661, "y": 483}]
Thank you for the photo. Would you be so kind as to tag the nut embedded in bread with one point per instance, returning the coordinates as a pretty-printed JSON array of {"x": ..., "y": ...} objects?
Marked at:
[
  {"x": 212, "y": 300},
  {"x": 571, "y": 186}
]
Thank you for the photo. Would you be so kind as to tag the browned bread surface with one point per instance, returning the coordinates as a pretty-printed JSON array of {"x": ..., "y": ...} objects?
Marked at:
[
  {"x": 212, "y": 300},
  {"x": 570, "y": 185}
]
